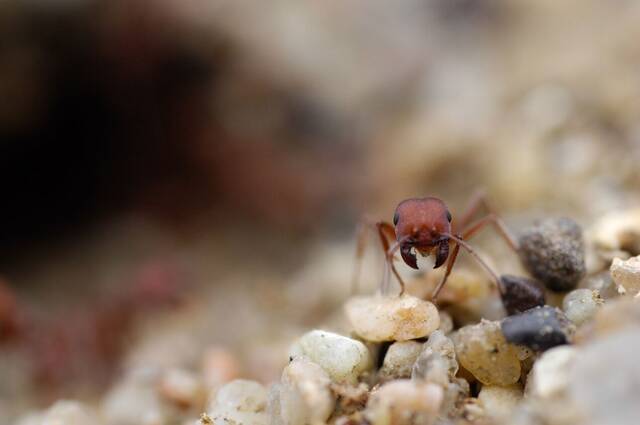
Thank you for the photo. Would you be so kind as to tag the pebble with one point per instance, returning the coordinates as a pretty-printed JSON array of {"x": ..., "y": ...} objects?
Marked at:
[
  {"x": 442, "y": 346},
  {"x": 500, "y": 402},
  {"x": 404, "y": 402},
  {"x": 626, "y": 275},
  {"x": 539, "y": 328},
  {"x": 344, "y": 359},
  {"x": 378, "y": 318},
  {"x": 305, "y": 395},
  {"x": 617, "y": 231},
  {"x": 552, "y": 250},
  {"x": 68, "y": 412},
  {"x": 182, "y": 388},
  {"x": 549, "y": 377},
  {"x": 399, "y": 360},
  {"x": 520, "y": 294},
  {"x": 446, "y": 322},
  {"x": 604, "y": 380},
  {"x": 616, "y": 315},
  {"x": 219, "y": 366},
  {"x": 483, "y": 351},
  {"x": 240, "y": 401},
  {"x": 135, "y": 400},
  {"x": 581, "y": 305}
]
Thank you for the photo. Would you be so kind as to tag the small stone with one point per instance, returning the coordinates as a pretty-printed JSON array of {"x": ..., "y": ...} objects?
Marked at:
[
  {"x": 604, "y": 379},
  {"x": 550, "y": 374},
  {"x": 539, "y": 328},
  {"x": 67, "y": 412},
  {"x": 351, "y": 398},
  {"x": 520, "y": 294},
  {"x": 378, "y": 318},
  {"x": 601, "y": 282},
  {"x": 442, "y": 346},
  {"x": 219, "y": 366},
  {"x": 626, "y": 275},
  {"x": 399, "y": 360},
  {"x": 240, "y": 401},
  {"x": 483, "y": 351},
  {"x": 305, "y": 394},
  {"x": 446, "y": 322},
  {"x": 616, "y": 315},
  {"x": 182, "y": 388},
  {"x": 135, "y": 400},
  {"x": 404, "y": 402},
  {"x": 617, "y": 231},
  {"x": 580, "y": 305},
  {"x": 344, "y": 359},
  {"x": 500, "y": 402},
  {"x": 553, "y": 251}
]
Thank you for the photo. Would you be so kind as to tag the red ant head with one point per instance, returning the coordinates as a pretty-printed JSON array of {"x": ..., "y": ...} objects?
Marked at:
[{"x": 423, "y": 223}]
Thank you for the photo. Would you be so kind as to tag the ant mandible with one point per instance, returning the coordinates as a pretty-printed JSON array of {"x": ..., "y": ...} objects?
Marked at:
[{"x": 426, "y": 226}]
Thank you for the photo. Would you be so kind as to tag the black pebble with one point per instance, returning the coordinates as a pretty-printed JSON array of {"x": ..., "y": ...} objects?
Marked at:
[
  {"x": 520, "y": 294},
  {"x": 552, "y": 250},
  {"x": 539, "y": 328}
]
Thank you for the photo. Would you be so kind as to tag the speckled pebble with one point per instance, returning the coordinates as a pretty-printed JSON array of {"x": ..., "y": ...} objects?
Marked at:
[
  {"x": 539, "y": 328},
  {"x": 552, "y": 250},
  {"x": 377, "y": 318},
  {"x": 519, "y": 294}
]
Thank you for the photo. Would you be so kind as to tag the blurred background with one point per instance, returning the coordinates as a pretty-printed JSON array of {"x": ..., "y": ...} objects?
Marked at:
[{"x": 181, "y": 177}]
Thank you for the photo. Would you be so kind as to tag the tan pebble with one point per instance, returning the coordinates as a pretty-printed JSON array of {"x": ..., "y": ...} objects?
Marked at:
[
  {"x": 182, "y": 388},
  {"x": 483, "y": 351},
  {"x": 549, "y": 377},
  {"x": 378, "y": 318},
  {"x": 219, "y": 366},
  {"x": 626, "y": 275},
  {"x": 403, "y": 402}
]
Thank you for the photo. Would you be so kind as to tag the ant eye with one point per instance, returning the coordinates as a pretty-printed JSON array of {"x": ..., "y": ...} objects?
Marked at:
[
  {"x": 449, "y": 218},
  {"x": 396, "y": 217}
]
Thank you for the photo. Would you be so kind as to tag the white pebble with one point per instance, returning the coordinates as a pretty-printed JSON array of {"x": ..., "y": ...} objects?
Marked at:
[
  {"x": 549, "y": 377},
  {"x": 66, "y": 412},
  {"x": 378, "y": 318},
  {"x": 626, "y": 275},
  {"x": 404, "y": 401},
  {"x": 305, "y": 395},
  {"x": 499, "y": 402},
  {"x": 182, "y": 388},
  {"x": 240, "y": 401},
  {"x": 399, "y": 359},
  {"x": 581, "y": 305},
  {"x": 344, "y": 359},
  {"x": 134, "y": 400}
]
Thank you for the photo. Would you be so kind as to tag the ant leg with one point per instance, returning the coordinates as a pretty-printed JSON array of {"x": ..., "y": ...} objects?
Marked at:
[
  {"x": 499, "y": 226},
  {"x": 450, "y": 263},
  {"x": 386, "y": 233},
  {"x": 477, "y": 201},
  {"x": 361, "y": 246},
  {"x": 389, "y": 257},
  {"x": 460, "y": 241},
  {"x": 468, "y": 229}
]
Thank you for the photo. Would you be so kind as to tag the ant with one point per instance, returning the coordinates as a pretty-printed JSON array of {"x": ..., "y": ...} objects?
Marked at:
[{"x": 426, "y": 226}]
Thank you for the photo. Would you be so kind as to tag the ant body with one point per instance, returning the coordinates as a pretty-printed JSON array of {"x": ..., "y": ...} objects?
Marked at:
[{"x": 426, "y": 226}]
